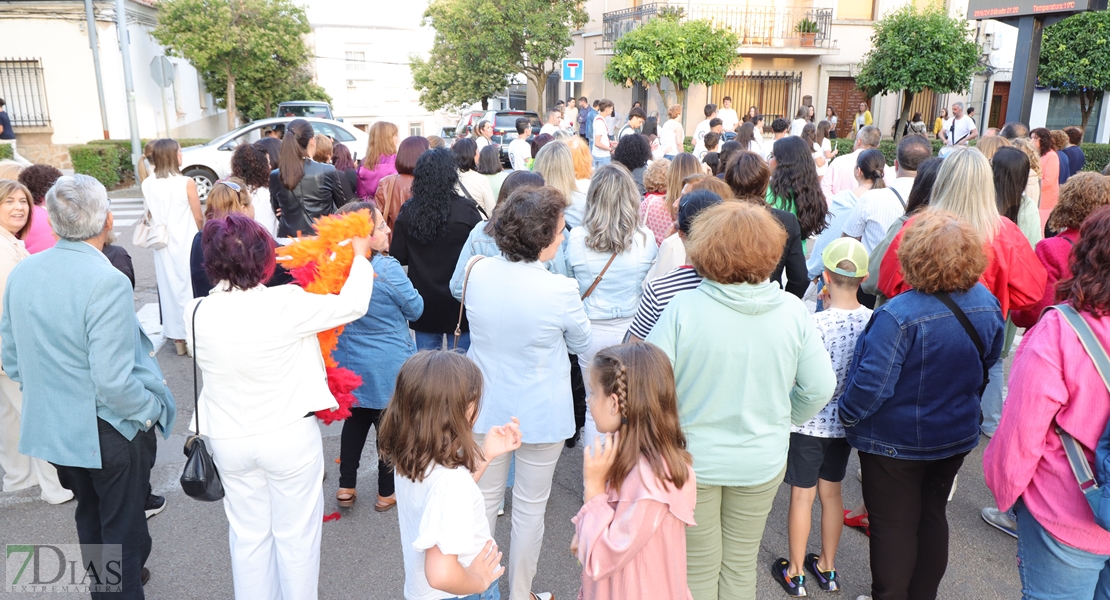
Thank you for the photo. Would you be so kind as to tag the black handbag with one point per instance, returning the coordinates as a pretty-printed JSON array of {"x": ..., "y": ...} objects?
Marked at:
[{"x": 200, "y": 479}]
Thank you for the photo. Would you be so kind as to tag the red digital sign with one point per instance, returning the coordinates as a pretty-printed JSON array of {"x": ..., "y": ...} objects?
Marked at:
[{"x": 1000, "y": 9}]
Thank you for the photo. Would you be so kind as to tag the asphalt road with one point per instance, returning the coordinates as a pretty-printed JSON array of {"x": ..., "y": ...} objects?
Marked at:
[{"x": 361, "y": 554}]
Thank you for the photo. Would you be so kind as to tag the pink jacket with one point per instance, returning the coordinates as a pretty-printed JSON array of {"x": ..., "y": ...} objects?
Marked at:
[
  {"x": 40, "y": 237},
  {"x": 1025, "y": 458},
  {"x": 1054, "y": 253},
  {"x": 632, "y": 544},
  {"x": 368, "y": 178}
]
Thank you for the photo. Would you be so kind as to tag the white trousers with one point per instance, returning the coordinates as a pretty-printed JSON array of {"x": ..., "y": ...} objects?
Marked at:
[
  {"x": 604, "y": 333},
  {"x": 274, "y": 501},
  {"x": 535, "y": 467},
  {"x": 22, "y": 471}
]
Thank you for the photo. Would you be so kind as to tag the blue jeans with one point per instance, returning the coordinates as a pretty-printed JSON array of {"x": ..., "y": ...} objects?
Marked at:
[
  {"x": 993, "y": 398},
  {"x": 493, "y": 593},
  {"x": 434, "y": 341},
  {"x": 598, "y": 161},
  {"x": 1051, "y": 570}
]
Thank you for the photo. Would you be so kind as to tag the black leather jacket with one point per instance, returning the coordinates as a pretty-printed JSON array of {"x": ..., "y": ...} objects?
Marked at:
[{"x": 319, "y": 193}]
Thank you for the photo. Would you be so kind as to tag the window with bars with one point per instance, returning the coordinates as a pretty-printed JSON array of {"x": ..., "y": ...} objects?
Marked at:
[
  {"x": 774, "y": 93},
  {"x": 416, "y": 129},
  {"x": 23, "y": 90},
  {"x": 356, "y": 61}
]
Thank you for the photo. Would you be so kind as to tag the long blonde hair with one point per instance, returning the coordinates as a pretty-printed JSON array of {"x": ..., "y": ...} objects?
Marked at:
[
  {"x": 965, "y": 186},
  {"x": 10, "y": 170},
  {"x": 381, "y": 143},
  {"x": 555, "y": 164},
  {"x": 682, "y": 166},
  {"x": 612, "y": 210},
  {"x": 1026, "y": 146}
]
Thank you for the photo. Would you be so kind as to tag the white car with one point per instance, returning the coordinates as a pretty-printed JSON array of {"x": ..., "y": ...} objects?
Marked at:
[{"x": 211, "y": 162}]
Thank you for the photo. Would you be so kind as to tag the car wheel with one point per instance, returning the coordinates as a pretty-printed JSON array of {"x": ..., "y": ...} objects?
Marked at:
[{"x": 204, "y": 179}]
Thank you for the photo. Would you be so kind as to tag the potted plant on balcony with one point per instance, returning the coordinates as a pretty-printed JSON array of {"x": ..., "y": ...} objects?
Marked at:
[{"x": 807, "y": 31}]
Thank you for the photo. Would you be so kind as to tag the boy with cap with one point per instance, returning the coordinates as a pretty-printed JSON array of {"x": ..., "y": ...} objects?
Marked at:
[{"x": 818, "y": 454}]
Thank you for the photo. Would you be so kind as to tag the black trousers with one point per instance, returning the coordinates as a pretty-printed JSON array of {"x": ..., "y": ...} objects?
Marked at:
[
  {"x": 578, "y": 392},
  {"x": 110, "y": 502},
  {"x": 351, "y": 443},
  {"x": 906, "y": 503}
]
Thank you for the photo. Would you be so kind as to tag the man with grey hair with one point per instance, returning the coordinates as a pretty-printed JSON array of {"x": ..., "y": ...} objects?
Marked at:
[
  {"x": 959, "y": 130},
  {"x": 841, "y": 173},
  {"x": 92, "y": 390}
]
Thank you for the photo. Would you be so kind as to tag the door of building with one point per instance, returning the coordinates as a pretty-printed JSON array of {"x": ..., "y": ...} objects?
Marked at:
[
  {"x": 999, "y": 99},
  {"x": 844, "y": 97}
]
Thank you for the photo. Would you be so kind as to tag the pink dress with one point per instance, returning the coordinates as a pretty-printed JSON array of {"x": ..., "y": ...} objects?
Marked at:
[
  {"x": 1050, "y": 184},
  {"x": 632, "y": 544},
  {"x": 654, "y": 214},
  {"x": 40, "y": 237},
  {"x": 368, "y": 178},
  {"x": 1052, "y": 382}
]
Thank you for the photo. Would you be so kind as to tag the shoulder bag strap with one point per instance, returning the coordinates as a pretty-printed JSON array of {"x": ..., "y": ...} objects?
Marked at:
[
  {"x": 1076, "y": 458},
  {"x": 899, "y": 196},
  {"x": 971, "y": 333},
  {"x": 597, "y": 280},
  {"x": 196, "y": 393},
  {"x": 477, "y": 204},
  {"x": 462, "y": 304}
]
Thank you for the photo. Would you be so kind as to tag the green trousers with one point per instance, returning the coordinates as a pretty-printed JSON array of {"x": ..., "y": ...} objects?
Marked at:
[{"x": 722, "y": 549}]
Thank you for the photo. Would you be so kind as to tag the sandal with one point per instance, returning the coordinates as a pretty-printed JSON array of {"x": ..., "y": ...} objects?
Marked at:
[
  {"x": 857, "y": 522},
  {"x": 385, "y": 503},
  {"x": 345, "y": 497}
]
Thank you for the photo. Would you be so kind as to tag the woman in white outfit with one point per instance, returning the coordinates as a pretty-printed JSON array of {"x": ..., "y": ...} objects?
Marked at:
[
  {"x": 171, "y": 198},
  {"x": 20, "y": 471},
  {"x": 609, "y": 256},
  {"x": 263, "y": 378},
  {"x": 524, "y": 320}
]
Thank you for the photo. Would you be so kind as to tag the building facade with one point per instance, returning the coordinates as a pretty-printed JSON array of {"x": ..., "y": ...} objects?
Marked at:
[{"x": 48, "y": 79}]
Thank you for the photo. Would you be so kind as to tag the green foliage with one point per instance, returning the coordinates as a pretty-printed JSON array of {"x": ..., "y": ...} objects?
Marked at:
[
  {"x": 685, "y": 52},
  {"x": 123, "y": 147},
  {"x": 1075, "y": 58},
  {"x": 912, "y": 50},
  {"x": 481, "y": 44},
  {"x": 1098, "y": 156},
  {"x": 6, "y": 152},
  {"x": 806, "y": 26},
  {"x": 688, "y": 145},
  {"x": 244, "y": 49},
  {"x": 889, "y": 148},
  {"x": 100, "y": 161}
]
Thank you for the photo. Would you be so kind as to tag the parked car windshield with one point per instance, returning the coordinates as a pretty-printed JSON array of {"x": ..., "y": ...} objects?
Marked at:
[
  {"x": 305, "y": 111},
  {"x": 509, "y": 121}
]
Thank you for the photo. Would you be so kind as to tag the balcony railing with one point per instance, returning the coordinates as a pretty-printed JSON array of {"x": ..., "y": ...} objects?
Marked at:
[{"x": 757, "y": 26}]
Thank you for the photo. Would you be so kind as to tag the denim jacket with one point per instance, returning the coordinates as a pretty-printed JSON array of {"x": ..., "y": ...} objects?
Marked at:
[
  {"x": 375, "y": 346},
  {"x": 913, "y": 387},
  {"x": 479, "y": 243},
  {"x": 618, "y": 294}
]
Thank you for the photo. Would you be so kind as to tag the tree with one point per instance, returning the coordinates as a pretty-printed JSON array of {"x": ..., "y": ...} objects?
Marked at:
[
  {"x": 467, "y": 64},
  {"x": 684, "y": 52},
  {"x": 481, "y": 44},
  {"x": 256, "y": 44},
  {"x": 912, "y": 50},
  {"x": 1075, "y": 58}
]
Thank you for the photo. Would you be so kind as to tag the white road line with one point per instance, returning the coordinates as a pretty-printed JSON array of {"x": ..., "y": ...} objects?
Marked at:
[{"x": 152, "y": 323}]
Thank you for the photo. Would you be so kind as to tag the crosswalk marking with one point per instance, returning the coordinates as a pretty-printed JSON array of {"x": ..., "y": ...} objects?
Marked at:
[{"x": 127, "y": 211}]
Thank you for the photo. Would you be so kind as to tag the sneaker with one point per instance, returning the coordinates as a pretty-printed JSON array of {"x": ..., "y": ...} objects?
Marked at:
[
  {"x": 154, "y": 505},
  {"x": 1000, "y": 520},
  {"x": 501, "y": 509},
  {"x": 864, "y": 597},
  {"x": 826, "y": 579},
  {"x": 793, "y": 586}
]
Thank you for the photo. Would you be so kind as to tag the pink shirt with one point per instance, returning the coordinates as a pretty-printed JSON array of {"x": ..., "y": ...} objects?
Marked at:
[
  {"x": 368, "y": 178},
  {"x": 1025, "y": 458},
  {"x": 1050, "y": 184},
  {"x": 632, "y": 544},
  {"x": 40, "y": 237},
  {"x": 654, "y": 213}
]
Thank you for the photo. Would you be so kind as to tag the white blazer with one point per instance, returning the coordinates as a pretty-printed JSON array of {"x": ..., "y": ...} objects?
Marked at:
[{"x": 259, "y": 354}]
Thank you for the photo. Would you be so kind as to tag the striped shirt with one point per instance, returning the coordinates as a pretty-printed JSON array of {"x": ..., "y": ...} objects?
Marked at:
[{"x": 658, "y": 294}]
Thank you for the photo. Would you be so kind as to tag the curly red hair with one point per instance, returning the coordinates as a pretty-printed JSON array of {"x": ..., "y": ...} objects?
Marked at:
[
  {"x": 1087, "y": 289},
  {"x": 941, "y": 253}
]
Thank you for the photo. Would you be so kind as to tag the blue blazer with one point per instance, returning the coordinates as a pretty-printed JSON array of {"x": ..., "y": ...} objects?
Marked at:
[{"x": 71, "y": 338}]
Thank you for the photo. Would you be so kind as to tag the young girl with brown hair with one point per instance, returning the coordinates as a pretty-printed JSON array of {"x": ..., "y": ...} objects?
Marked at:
[
  {"x": 425, "y": 433},
  {"x": 640, "y": 491}
]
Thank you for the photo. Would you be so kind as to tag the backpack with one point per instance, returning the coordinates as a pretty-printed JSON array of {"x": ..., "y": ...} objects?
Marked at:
[{"x": 1098, "y": 496}]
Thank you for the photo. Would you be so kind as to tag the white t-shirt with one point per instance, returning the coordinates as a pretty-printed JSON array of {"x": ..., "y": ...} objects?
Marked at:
[
  {"x": 839, "y": 330},
  {"x": 625, "y": 130},
  {"x": 876, "y": 211},
  {"x": 699, "y": 133},
  {"x": 519, "y": 153},
  {"x": 818, "y": 154},
  {"x": 796, "y": 126},
  {"x": 600, "y": 128},
  {"x": 549, "y": 129},
  {"x": 669, "y": 135},
  {"x": 755, "y": 146},
  {"x": 963, "y": 127},
  {"x": 445, "y": 510},
  {"x": 482, "y": 142},
  {"x": 728, "y": 118}
]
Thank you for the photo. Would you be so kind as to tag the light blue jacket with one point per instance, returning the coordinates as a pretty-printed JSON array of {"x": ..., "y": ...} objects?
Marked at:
[
  {"x": 376, "y": 346},
  {"x": 480, "y": 243},
  {"x": 840, "y": 206},
  {"x": 618, "y": 294},
  {"x": 71, "y": 338}
]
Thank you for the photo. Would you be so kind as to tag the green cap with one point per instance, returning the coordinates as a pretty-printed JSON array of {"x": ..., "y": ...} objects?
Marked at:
[{"x": 849, "y": 249}]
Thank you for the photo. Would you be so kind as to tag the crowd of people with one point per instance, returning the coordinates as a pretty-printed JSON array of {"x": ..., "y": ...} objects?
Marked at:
[{"x": 705, "y": 325}]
